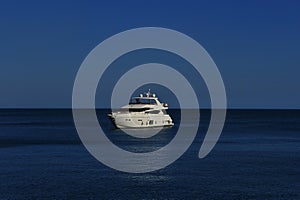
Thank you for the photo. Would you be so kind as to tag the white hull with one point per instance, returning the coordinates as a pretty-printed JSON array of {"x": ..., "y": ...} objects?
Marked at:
[{"x": 141, "y": 120}]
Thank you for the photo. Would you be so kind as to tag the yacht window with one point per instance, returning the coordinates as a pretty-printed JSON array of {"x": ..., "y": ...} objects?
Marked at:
[
  {"x": 152, "y": 101},
  {"x": 134, "y": 101},
  {"x": 142, "y": 101},
  {"x": 138, "y": 109}
]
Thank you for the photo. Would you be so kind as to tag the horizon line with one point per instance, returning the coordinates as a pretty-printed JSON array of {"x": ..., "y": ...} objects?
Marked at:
[{"x": 205, "y": 108}]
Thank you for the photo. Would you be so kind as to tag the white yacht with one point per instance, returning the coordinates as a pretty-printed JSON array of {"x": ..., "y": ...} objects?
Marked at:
[{"x": 142, "y": 112}]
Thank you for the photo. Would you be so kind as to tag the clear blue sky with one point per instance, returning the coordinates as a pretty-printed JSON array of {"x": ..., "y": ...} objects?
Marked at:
[{"x": 255, "y": 44}]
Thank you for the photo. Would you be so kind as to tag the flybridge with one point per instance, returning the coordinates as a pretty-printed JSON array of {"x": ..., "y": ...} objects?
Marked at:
[
  {"x": 143, "y": 100},
  {"x": 148, "y": 99}
]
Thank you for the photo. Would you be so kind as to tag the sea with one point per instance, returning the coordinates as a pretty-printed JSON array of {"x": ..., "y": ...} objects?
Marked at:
[{"x": 256, "y": 157}]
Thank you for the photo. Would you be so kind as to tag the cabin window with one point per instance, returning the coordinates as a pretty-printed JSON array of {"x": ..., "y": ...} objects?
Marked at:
[{"x": 138, "y": 109}]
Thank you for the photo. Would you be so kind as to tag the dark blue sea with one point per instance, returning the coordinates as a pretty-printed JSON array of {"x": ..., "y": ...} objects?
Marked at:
[{"x": 257, "y": 157}]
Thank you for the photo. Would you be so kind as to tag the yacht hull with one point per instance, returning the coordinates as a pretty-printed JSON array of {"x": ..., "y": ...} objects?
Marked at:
[{"x": 128, "y": 121}]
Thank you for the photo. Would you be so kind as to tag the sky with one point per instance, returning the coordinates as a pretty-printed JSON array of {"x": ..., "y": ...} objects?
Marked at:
[{"x": 255, "y": 45}]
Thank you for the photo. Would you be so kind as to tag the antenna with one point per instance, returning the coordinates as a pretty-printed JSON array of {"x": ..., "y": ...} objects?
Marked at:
[{"x": 148, "y": 93}]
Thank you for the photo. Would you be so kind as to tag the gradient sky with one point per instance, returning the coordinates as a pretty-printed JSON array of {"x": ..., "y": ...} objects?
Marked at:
[{"x": 255, "y": 45}]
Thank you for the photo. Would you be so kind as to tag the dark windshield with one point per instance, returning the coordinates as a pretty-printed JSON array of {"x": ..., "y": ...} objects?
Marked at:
[
  {"x": 142, "y": 101},
  {"x": 138, "y": 109}
]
